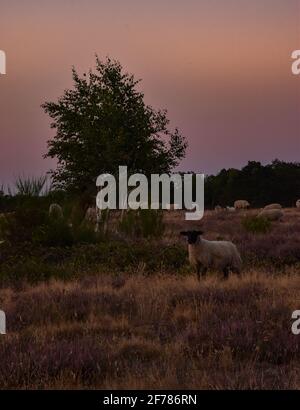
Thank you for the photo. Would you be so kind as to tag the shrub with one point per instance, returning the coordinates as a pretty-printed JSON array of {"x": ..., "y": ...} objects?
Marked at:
[
  {"x": 74, "y": 212},
  {"x": 143, "y": 223},
  {"x": 20, "y": 225},
  {"x": 33, "y": 270},
  {"x": 256, "y": 225},
  {"x": 173, "y": 257},
  {"x": 4, "y": 226},
  {"x": 54, "y": 233},
  {"x": 151, "y": 223},
  {"x": 127, "y": 224},
  {"x": 85, "y": 234}
]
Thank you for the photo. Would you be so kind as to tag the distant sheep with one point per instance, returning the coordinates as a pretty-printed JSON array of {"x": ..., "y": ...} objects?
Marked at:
[
  {"x": 219, "y": 255},
  {"x": 273, "y": 206},
  {"x": 298, "y": 204},
  {"x": 271, "y": 214},
  {"x": 241, "y": 204},
  {"x": 218, "y": 208},
  {"x": 230, "y": 209},
  {"x": 55, "y": 211}
]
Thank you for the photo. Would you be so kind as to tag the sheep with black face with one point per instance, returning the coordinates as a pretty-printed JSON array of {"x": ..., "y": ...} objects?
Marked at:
[{"x": 217, "y": 255}]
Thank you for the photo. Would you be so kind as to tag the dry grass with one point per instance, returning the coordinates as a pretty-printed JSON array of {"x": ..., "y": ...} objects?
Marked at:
[
  {"x": 155, "y": 332},
  {"x": 121, "y": 327}
]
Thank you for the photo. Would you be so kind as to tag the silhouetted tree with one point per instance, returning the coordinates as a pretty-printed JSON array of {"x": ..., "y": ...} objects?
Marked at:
[{"x": 103, "y": 122}]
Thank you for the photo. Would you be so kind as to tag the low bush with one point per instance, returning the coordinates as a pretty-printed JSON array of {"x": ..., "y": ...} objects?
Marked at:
[
  {"x": 256, "y": 225},
  {"x": 54, "y": 233},
  {"x": 21, "y": 224},
  {"x": 144, "y": 223}
]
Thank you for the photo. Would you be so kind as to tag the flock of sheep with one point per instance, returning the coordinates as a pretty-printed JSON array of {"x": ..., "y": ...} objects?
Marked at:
[
  {"x": 272, "y": 212},
  {"x": 203, "y": 254}
]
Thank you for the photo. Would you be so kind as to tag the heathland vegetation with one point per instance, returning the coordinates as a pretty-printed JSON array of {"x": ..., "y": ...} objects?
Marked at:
[{"x": 121, "y": 310}]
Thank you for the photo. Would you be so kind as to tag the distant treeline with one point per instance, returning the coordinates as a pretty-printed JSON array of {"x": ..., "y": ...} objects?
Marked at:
[{"x": 257, "y": 183}]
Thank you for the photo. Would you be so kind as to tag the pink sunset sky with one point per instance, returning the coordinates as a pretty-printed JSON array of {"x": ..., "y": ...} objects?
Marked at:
[{"x": 222, "y": 68}]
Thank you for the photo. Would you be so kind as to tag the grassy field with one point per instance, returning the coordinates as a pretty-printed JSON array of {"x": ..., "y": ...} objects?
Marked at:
[{"x": 131, "y": 314}]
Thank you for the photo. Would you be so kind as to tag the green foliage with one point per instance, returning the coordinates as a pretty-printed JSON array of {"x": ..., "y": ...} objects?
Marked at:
[
  {"x": 31, "y": 222},
  {"x": 151, "y": 223},
  {"x": 86, "y": 234},
  {"x": 74, "y": 212},
  {"x": 21, "y": 224},
  {"x": 67, "y": 231},
  {"x": 103, "y": 122},
  {"x": 256, "y": 225},
  {"x": 4, "y": 227},
  {"x": 33, "y": 270},
  {"x": 36, "y": 262},
  {"x": 128, "y": 225},
  {"x": 56, "y": 232},
  {"x": 143, "y": 223}
]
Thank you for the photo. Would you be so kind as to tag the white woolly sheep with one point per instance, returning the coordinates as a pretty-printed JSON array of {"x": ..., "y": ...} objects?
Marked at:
[
  {"x": 219, "y": 255},
  {"x": 273, "y": 206},
  {"x": 230, "y": 209},
  {"x": 55, "y": 211},
  {"x": 271, "y": 214},
  {"x": 298, "y": 204},
  {"x": 241, "y": 204}
]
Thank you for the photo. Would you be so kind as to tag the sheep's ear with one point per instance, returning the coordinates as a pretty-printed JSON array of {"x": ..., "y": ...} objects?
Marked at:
[
  {"x": 200, "y": 233},
  {"x": 184, "y": 233}
]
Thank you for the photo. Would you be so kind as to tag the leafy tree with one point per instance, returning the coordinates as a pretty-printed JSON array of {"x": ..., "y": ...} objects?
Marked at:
[{"x": 103, "y": 122}]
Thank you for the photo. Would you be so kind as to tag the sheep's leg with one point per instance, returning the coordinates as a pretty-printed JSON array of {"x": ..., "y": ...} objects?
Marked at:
[
  {"x": 226, "y": 272},
  {"x": 201, "y": 271},
  {"x": 198, "y": 272}
]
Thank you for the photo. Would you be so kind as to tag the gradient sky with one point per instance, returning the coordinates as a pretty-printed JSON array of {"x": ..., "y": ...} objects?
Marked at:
[{"x": 222, "y": 68}]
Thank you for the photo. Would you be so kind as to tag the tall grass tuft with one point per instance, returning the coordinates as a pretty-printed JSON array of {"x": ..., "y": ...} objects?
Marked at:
[{"x": 30, "y": 186}]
